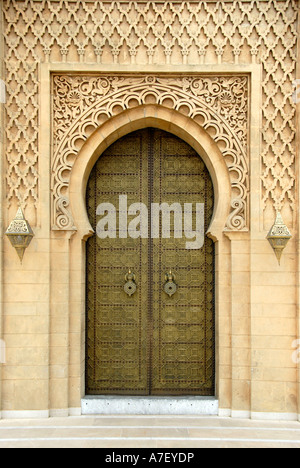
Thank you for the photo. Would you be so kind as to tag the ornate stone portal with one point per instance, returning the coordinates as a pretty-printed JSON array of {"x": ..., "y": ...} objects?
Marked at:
[
  {"x": 81, "y": 75},
  {"x": 220, "y": 104}
]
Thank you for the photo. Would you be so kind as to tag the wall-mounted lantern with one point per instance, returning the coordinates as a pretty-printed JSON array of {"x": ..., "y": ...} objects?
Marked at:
[
  {"x": 20, "y": 233},
  {"x": 279, "y": 236}
]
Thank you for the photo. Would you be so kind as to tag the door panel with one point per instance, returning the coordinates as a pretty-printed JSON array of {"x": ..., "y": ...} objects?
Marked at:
[
  {"x": 117, "y": 325},
  {"x": 183, "y": 325},
  {"x": 150, "y": 343}
]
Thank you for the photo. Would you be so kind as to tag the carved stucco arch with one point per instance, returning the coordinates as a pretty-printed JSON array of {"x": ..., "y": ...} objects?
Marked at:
[
  {"x": 136, "y": 119},
  {"x": 85, "y": 107}
]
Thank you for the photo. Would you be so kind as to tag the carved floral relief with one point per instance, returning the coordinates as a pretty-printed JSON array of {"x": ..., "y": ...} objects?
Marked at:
[{"x": 219, "y": 102}]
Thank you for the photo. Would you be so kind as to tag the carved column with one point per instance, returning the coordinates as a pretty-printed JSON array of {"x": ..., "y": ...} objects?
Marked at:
[
  {"x": 60, "y": 305},
  {"x": 240, "y": 324}
]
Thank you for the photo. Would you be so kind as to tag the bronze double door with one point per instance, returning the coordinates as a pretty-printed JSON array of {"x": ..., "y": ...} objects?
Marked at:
[{"x": 155, "y": 337}]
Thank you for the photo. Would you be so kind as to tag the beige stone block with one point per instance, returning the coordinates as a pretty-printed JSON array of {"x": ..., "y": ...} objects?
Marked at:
[
  {"x": 241, "y": 341},
  {"x": 77, "y": 292},
  {"x": 273, "y": 310},
  {"x": 240, "y": 247},
  {"x": 267, "y": 326},
  {"x": 272, "y": 342},
  {"x": 8, "y": 395},
  {"x": 60, "y": 309},
  {"x": 224, "y": 294},
  {"x": 26, "y": 293},
  {"x": 224, "y": 356},
  {"x": 241, "y": 373},
  {"x": 224, "y": 393},
  {"x": 26, "y": 325},
  {"x": 270, "y": 396},
  {"x": 75, "y": 340},
  {"x": 75, "y": 370},
  {"x": 240, "y": 262},
  {"x": 39, "y": 244},
  {"x": 260, "y": 246},
  {"x": 241, "y": 325},
  {"x": 59, "y": 261},
  {"x": 240, "y": 395},
  {"x": 21, "y": 372},
  {"x": 274, "y": 374},
  {"x": 22, "y": 341},
  {"x": 76, "y": 392},
  {"x": 77, "y": 323},
  {"x": 241, "y": 357},
  {"x": 76, "y": 386},
  {"x": 59, "y": 355},
  {"x": 224, "y": 340},
  {"x": 225, "y": 372},
  {"x": 268, "y": 263},
  {"x": 240, "y": 279},
  {"x": 27, "y": 356},
  {"x": 59, "y": 340},
  {"x": 32, "y": 261},
  {"x": 223, "y": 264},
  {"x": 42, "y": 308},
  {"x": 273, "y": 294},
  {"x": 60, "y": 293},
  {"x": 30, "y": 395},
  {"x": 59, "y": 393},
  {"x": 76, "y": 308},
  {"x": 273, "y": 279},
  {"x": 225, "y": 280},
  {"x": 60, "y": 277},
  {"x": 240, "y": 310},
  {"x": 272, "y": 358},
  {"x": 280, "y": 310},
  {"x": 60, "y": 243},
  {"x": 20, "y": 308},
  {"x": 223, "y": 308},
  {"x": 59, "y": 325},
  {"x": 58, "y": 371},
  {"x": 18, "y": 277},
  {"x": 241, "y": 302}
]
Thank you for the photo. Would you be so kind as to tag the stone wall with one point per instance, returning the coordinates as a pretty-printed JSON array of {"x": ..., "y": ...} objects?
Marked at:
[{"x": 118, "y": 63}]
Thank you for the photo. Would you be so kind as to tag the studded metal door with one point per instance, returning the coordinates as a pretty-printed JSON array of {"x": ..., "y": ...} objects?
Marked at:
[{"x": 149, "y": 341}]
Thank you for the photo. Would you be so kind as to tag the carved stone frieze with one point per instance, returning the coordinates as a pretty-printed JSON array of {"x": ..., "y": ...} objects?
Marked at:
[
  {"x": 150, "y": 33},
  {"x": 82, "y": 103}
]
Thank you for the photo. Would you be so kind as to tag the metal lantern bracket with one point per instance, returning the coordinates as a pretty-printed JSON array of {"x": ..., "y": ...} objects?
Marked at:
[
  {"x": 279, "y": 236},
  {"x": 20, "y": 233}
]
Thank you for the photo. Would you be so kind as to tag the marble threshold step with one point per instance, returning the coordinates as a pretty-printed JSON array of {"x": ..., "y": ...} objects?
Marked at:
[{"x": 149, "y": 405}]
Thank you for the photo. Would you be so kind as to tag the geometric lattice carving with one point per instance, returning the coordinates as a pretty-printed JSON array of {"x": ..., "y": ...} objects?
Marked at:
[
  {"x": 82, "y": 103},
  {"x": 154, "y": 32}
]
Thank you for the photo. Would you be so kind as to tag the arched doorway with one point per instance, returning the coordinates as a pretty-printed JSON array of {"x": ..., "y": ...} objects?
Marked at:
[{"x": 156, "y": 341}]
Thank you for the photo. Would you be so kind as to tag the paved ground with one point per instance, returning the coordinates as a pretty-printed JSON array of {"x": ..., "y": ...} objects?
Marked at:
[{"x": 148, "y": 432}]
